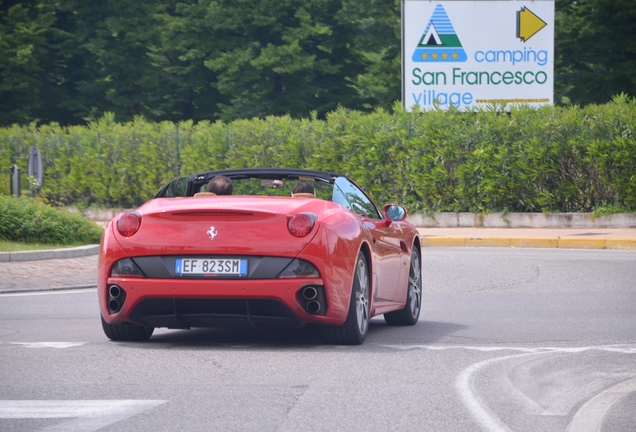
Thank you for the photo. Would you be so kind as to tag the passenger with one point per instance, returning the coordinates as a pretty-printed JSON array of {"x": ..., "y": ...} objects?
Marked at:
[
  {"x": 303, "y": 190},
  {"x": 220, "y": 185}
]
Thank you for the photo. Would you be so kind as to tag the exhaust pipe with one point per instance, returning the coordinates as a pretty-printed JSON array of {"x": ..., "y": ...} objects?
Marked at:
[
  {"x": 310, "y": 293},
  {"x": 116, "y": 298},
  {"x": 113, "y": 305},
  {"x": 312, "y": 299},
  {"x": 114, "y": 291},
  {"x": 313, "y": 307}
]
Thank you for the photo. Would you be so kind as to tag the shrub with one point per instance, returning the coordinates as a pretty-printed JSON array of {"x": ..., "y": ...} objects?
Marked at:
[
  {"x": 24, "y": 219},
  {"x": 566, "y": 159}
]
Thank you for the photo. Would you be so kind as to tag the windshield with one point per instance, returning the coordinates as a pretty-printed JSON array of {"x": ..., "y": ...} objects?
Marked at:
[{"x": 276, "y": 187}]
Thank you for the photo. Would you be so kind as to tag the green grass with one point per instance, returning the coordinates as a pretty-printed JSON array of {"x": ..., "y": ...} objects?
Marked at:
[{"x": 15, "y": 246}]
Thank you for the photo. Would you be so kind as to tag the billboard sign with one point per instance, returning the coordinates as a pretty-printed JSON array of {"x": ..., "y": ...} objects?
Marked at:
[{"x": 472, "y": 54}]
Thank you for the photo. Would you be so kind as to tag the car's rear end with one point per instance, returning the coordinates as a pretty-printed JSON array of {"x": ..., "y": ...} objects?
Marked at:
[{"x": 221, "y": 261}]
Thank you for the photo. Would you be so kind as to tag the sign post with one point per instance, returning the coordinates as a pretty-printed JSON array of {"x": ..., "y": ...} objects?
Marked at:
[
  {"x": 474, "y": 54},
  {"x": 34, "y": 170},
  {"x": 15, "y": 180}
]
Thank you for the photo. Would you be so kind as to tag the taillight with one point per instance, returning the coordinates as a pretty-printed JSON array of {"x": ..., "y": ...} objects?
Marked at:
[
  {"x": 128, "y": 224},
  {"x": 126, "y": 268},
  {"x": 301, "y": 224}
]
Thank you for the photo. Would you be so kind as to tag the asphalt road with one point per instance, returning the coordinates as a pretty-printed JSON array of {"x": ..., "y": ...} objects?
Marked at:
[{"x": 509, "y": 339}]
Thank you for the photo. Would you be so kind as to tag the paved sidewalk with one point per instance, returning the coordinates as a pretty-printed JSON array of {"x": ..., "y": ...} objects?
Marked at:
[
  {"x": 46, "y": 274},
  {"x": 21, "y": 276}
]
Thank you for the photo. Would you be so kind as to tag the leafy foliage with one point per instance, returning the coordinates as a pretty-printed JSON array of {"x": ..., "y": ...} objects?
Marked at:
[
  {"x": 23, "y": 74},
  {"x": 550, "y": 159},
  {"x": 72, "y": 61},
  {"x": 26, "y": 220},
  {"x": 595, "y": 44}
]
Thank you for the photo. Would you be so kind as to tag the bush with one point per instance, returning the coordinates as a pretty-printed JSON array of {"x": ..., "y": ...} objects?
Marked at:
[
  {"x": 24, "y": 219},
  {"x": 567, "y": 159}
]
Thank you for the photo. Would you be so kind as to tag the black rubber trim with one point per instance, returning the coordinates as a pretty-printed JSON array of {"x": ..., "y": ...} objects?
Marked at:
[{"x": 162, "y": 267}]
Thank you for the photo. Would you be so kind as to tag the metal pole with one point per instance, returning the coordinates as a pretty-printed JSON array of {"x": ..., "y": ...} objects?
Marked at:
[
  {"x": 176, "y": 126},
  {"x": 15, "y": 180}
]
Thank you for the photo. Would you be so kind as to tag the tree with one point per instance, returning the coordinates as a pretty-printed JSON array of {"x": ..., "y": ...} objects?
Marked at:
[
  {"x": 596, "y": 49},
  {"x": 267, "y": 57},
  {"x": 71, "y": 60},
  {"x": 376, "y": 36},
  {"x": 23, "y": 68},
  {"x": 111, "y": 44},
  {"x": 186, "y": 42}
]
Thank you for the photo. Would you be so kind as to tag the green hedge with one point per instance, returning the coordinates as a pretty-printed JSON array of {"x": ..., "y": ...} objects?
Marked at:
[
  {"x": 24, "y": 219},
  {"x": 549, "y": 159}
]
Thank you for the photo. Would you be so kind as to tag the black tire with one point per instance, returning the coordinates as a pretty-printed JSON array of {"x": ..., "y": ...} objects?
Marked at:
[
  {"x": 411, "y": 312},
  {"x": 126, "y": 331},
  {"x": 355, "y": 328}
]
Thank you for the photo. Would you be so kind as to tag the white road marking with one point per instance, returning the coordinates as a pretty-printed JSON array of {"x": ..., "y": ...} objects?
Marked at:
[
  {"x": 87, "y": 415},
  {"x": 623, "y": 349},
  {"x": 58, "y": 345},
  {"x": 54, "y": 292},
  {"x": 589, "y": 418},
  {"x": 466, "y": 389}
]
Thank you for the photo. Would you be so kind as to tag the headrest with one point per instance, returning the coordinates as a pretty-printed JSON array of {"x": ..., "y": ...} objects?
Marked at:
[
  {"x": 303, "y": 195},
  {"x": 204, "y": 194}
]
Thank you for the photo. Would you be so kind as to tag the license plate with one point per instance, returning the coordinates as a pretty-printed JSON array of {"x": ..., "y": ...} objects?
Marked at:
[{"x": 210, "y": 266}]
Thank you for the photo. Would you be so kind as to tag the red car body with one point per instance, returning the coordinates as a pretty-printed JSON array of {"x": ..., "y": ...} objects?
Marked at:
[{"x": 172, "y": 231}]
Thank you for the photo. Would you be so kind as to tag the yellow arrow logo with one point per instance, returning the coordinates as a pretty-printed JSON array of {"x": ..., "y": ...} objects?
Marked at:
[{"x": 528, "y": 24}]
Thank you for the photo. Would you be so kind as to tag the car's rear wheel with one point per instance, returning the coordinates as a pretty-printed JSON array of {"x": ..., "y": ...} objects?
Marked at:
[
  {"x": 355, "y": 328},
  {"x": 126, "y": 331},
  {"x": 411, "y": 312}
]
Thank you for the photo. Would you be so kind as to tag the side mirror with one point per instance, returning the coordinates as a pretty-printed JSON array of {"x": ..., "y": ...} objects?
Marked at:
[{"x": 394, "y": 212}]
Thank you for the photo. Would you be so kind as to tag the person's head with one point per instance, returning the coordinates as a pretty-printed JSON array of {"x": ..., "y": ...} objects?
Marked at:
[
  {"x": 220, "y": 185},
  {"x": 303, "y": 187}
]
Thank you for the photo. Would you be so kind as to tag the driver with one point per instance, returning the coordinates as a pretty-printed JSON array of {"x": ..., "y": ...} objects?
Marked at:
[{"x": 220, "y": 185}]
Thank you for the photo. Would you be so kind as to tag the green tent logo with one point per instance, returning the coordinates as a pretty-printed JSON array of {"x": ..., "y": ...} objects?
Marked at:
[{"x": 439, "y": 43}]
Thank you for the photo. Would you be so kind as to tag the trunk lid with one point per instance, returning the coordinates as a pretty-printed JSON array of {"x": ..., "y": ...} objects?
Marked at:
[{"x": 232, "y": 225}]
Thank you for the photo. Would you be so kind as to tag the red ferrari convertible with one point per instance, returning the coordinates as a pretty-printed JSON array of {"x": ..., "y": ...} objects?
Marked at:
[{"x": 265, "y": 256}]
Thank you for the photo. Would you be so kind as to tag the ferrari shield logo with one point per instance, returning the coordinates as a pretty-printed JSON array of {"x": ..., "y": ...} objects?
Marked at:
[{"x": 212, "y": 233}]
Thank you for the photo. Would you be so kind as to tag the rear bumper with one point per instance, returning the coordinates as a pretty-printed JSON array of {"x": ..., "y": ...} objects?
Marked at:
[
  {"x": 184, "y": 313},
  {"x": 178, "y": 303}
]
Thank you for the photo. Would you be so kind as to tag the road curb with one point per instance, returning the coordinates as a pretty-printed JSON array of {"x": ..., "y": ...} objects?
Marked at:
[
  {"x": 522, "y": 220},
  {"x": 562, "y": 243},
  {"x": 465, "y": 219},
  {"x": 75, "y": 252},
  {"x": 62, "y": 288}
]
